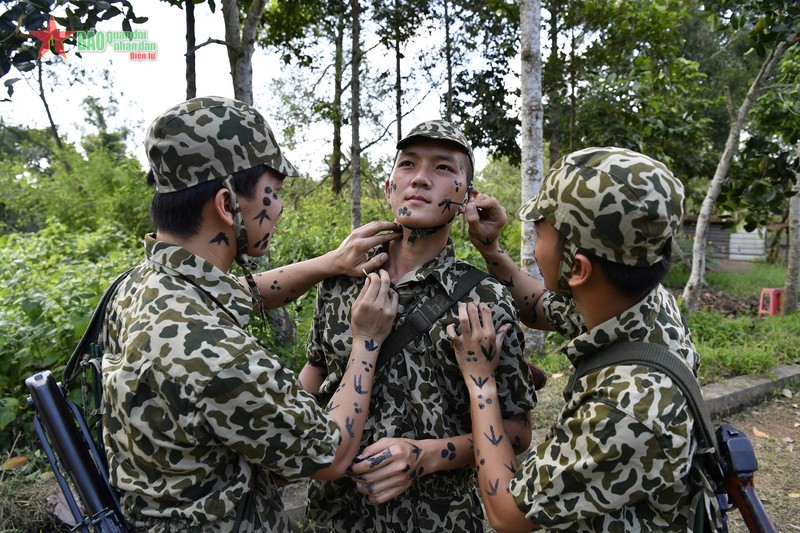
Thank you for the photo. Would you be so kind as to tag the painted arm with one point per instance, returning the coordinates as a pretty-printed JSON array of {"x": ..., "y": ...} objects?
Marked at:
[
  {"x": 371, "y": 321},
  {"x": 388, "y": 467},
  {"x": 287, "y": 283},
  {"x": 486, "y": 218},
  {"x": 493, "y": 450}
]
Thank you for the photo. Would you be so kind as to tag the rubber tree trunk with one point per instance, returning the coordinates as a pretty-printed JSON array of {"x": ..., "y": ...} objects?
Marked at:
[
  {"x": 532, "y": 140},
  {"x": 789, "y": 302},
  {"x": 691, "y": 291}
]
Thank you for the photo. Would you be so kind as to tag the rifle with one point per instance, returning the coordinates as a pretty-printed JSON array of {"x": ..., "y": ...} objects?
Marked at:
[
  {"x": 739, "y": 462},
  {"x": 71, "y": 452}
]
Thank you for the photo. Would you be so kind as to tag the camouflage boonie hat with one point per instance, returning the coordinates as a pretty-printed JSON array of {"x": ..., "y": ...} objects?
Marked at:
[
  {"x": 618, "y": 204},
  {"x": 438, "y": 129},
  {"x": 209, "y": 138}
]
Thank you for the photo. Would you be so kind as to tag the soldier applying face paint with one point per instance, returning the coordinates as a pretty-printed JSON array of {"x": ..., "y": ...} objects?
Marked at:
[
  {"x": 622, "y": 455},
  {"x": 416, "y": 470},
  {"x": 201, "y": 421}
]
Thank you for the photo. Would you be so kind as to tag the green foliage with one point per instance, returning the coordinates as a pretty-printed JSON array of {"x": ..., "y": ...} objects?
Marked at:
[
  {"x": 52, "y": 281},
  {"x": 104, "y": 186},
  {"x": 748, "y": 284},
  {"x": 744, "y": 345}
]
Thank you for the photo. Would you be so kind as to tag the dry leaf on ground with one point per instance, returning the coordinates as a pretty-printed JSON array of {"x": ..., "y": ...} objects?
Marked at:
[{"x": 759, "y": 434}]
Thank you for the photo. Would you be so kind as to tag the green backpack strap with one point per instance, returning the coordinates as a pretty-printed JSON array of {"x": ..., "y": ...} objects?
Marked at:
[{"x": 421, "y": 320}]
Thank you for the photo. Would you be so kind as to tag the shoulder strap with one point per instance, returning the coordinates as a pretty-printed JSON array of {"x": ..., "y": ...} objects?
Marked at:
[
  {"x": 660, "y": 358},
  {"x": 425, "y": 315},
  {"x": 92, "y": 331}
]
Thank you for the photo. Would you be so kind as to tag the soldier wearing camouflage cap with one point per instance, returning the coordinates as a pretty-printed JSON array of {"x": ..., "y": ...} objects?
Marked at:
[
  {"x": 200, "y": 419},
  {"x": 620, "y": 455},
  {"x": 415, "y": 472}
]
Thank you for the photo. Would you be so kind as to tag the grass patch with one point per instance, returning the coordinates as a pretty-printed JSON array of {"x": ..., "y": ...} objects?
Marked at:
[
  {"x": 728, "y": 346},
  {"x": 750, "y": 282}
]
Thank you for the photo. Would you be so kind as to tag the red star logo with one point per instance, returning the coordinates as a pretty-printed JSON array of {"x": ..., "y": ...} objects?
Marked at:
[{"x": 54, "y": 34}]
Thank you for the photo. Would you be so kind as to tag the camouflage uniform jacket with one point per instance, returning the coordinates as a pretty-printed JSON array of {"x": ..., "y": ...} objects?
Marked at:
[
  {"x": 419, "y": 394},
  {"x": 619, "y": 455},
  {"x": 198, "y": 413}
]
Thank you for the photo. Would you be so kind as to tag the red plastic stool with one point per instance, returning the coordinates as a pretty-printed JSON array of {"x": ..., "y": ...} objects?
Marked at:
[{"x": 770, "y": 302}]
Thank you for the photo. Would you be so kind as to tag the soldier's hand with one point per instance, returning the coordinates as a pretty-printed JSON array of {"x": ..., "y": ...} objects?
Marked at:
[
  {"x": 387, "y": 468},
  {"x": 350, "y": 258},
  {"x": 375, "y": 308},
  {"x": 486, "y": 218},
  {"x": 477, "y": 344}
]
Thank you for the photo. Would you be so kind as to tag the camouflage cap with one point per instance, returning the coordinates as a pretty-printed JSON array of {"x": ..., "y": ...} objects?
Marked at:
[
  {"x": 209, "y": 138},
  {"x": 618, "y": 204},
  {"x": 438, "y": 129}
]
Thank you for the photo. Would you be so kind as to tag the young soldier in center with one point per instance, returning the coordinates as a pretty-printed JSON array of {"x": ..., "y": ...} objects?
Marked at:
[{"x": 415, "y": 473}]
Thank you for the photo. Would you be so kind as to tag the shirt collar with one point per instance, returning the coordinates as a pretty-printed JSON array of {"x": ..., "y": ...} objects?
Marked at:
[
  {"x": 437, "y": 268},
  {"x": 223, "y": 288},
  {"x": 619, "y": 328}
]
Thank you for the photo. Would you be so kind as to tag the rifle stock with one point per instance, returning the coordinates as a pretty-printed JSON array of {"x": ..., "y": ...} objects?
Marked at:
[
  {"x": 71, "y": 451},
  {"x": 740, "y": 463}
]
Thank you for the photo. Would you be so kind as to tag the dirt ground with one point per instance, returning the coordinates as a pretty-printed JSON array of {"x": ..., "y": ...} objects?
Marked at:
[{"x": 774, "y": 429}]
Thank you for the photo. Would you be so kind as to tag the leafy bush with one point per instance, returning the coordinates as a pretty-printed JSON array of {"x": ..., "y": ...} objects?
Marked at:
[
  {"x": 53, "y": 280},
  {"x": 81, "y": 191}
]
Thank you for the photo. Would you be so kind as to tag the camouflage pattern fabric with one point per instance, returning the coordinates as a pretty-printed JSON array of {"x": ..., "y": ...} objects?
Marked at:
[
  {"x": 620, "y": 454},
  {"x": 209, "y": 138},
  {"x": 419, "y": 394},
  {"x": 438, "y": 129},
  {"x": 198, "y": 414},
  {"x": 618, "y": 204}
]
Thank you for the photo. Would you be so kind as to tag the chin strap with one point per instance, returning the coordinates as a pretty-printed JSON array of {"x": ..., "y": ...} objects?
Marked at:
[{"x": 247, "y": 263}]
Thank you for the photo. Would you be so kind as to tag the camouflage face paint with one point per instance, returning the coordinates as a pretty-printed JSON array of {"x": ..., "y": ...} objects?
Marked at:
[
  {"x": 263, "y": 243},
  {"x": 446, "y": 204},
  {"x": 220, "y": 239}
]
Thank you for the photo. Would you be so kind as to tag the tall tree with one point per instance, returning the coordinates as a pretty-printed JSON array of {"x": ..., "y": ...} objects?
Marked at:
[
  {"x": 792, "y": 284},
  {"x": 191, "y": 71},
  {"x": 778, "y": 110},
  {"x": 553, "y": 80},
  {"x": 191, "y": 41},
  {"x": 532, "y": 145},
  {"x": 355, "y": 116},
  {"x": 484, "y": 44},
  {"x": 399, "y": 23},
  {"x": 240, "y": 38},
  {"x": 777, "y": 25}
]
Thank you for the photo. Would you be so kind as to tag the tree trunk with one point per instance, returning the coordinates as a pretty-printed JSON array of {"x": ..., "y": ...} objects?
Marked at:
[
  {"x": 556, "y": 69},
  {"x": 790, "y": 289},
  {"x": 191, "y": 73},
  {"x": 398, "y": 79},
  {"x": 241, "y": 45},
  {"x": 241, "y": 39},
  {"x": 697, "y": 277},
  {"x": 532, "y": 142},
  {"x": 338, "y": 91},
  {"x": 355, "y": 117},
  {"x": 53, "y": 127},
  {"x": 448, "y": 55}
]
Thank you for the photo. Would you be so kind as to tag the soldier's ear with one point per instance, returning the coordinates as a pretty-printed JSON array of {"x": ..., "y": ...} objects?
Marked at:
[
  {"x": 582, "y": 270},
  {"x": 222, "y": 206}
]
